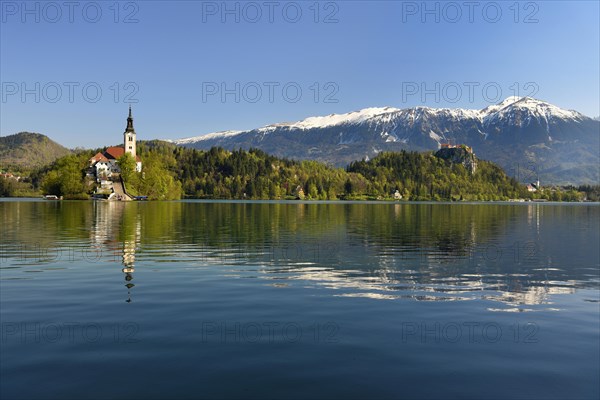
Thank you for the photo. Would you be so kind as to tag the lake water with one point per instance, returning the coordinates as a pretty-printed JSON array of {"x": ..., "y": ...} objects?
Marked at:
[{"x": 299, "y": 300}]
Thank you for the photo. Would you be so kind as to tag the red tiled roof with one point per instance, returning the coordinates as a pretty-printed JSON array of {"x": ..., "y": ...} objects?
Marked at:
[
  {"x": 98, "y": 157},
  {"x": 113, "y": 153}
]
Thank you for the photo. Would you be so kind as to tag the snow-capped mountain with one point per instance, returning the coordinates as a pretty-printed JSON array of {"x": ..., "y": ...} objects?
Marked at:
[{"x": 560, "y": 145}]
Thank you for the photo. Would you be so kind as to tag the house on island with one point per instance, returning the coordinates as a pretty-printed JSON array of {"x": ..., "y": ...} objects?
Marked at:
[{"x": 104, "y": 165}]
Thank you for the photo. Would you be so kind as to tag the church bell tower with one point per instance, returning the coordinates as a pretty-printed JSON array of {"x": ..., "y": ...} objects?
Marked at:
[{"x": 129, "y": 136}]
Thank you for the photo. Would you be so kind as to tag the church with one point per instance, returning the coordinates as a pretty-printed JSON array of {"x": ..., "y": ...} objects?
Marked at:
[{"x": 104, "y": 164}]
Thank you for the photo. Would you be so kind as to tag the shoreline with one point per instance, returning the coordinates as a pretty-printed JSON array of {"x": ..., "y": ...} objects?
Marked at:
[{"x": 282, "y": 201}]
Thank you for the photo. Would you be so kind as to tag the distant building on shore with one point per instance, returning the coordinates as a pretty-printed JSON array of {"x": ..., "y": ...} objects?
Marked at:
[{"x": 533, "y": 186}]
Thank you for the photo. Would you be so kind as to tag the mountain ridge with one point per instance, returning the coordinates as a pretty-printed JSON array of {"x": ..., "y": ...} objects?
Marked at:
[
  {"x": 519, "y": 133},
  {"x": 370, "y": 112}
]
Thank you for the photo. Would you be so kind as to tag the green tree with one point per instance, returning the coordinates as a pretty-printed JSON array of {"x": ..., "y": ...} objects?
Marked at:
[
  {"x": 156, "y": 181},
  {"x": 66, "y": 177},
  {"x": 127, "y": 165},
  {"x": 8, "y": 187}
]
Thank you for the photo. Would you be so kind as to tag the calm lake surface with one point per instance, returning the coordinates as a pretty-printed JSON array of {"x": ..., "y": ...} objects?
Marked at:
[{"x": 299, "y": 300}]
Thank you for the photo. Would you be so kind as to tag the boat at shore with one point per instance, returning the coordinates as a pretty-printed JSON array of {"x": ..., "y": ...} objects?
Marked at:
[{"x": 102, "y": 196}]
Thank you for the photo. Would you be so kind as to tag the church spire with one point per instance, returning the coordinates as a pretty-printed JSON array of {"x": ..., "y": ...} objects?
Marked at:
[
  {"x": 129, "y": 122},
  {"x": 129, "y": 136}
]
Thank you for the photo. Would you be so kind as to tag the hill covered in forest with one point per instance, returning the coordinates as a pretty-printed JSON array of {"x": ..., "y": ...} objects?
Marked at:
[
  {"x": 26, "y": 150},
  {"x": 254, "y": 174}
]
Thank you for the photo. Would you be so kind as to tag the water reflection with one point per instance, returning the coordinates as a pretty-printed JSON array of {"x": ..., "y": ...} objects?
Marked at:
[
  {"x": 510, "y": 257},
  {"x": 117, "y": 230}
]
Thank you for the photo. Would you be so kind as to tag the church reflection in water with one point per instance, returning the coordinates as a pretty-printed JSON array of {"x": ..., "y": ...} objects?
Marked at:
[
  {"x": 129, "y": 265},
  {"x": 119, "y": 233}
]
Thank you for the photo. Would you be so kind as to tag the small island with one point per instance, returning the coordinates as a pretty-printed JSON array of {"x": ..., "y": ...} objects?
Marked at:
[{"x": 107, "y": 166}]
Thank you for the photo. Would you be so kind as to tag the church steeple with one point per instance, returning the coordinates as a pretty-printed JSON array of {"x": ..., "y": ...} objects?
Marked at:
[
  {"x": 129, "y": 136},
  {"x": 129, "y": 122}
]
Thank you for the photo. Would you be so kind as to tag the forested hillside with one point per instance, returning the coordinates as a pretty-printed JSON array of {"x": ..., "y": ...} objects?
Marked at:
[
  {"x": 253, "y": 174},
  {"x": 423, "y": 176},
  {"x": 25, "y": 150}
]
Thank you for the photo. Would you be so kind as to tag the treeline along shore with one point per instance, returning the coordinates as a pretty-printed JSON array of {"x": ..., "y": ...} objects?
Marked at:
[{"x": 171, "y": 172}]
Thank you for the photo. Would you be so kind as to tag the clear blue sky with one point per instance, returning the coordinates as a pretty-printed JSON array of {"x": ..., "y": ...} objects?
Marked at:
[{"x": 371, "y": 53}]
